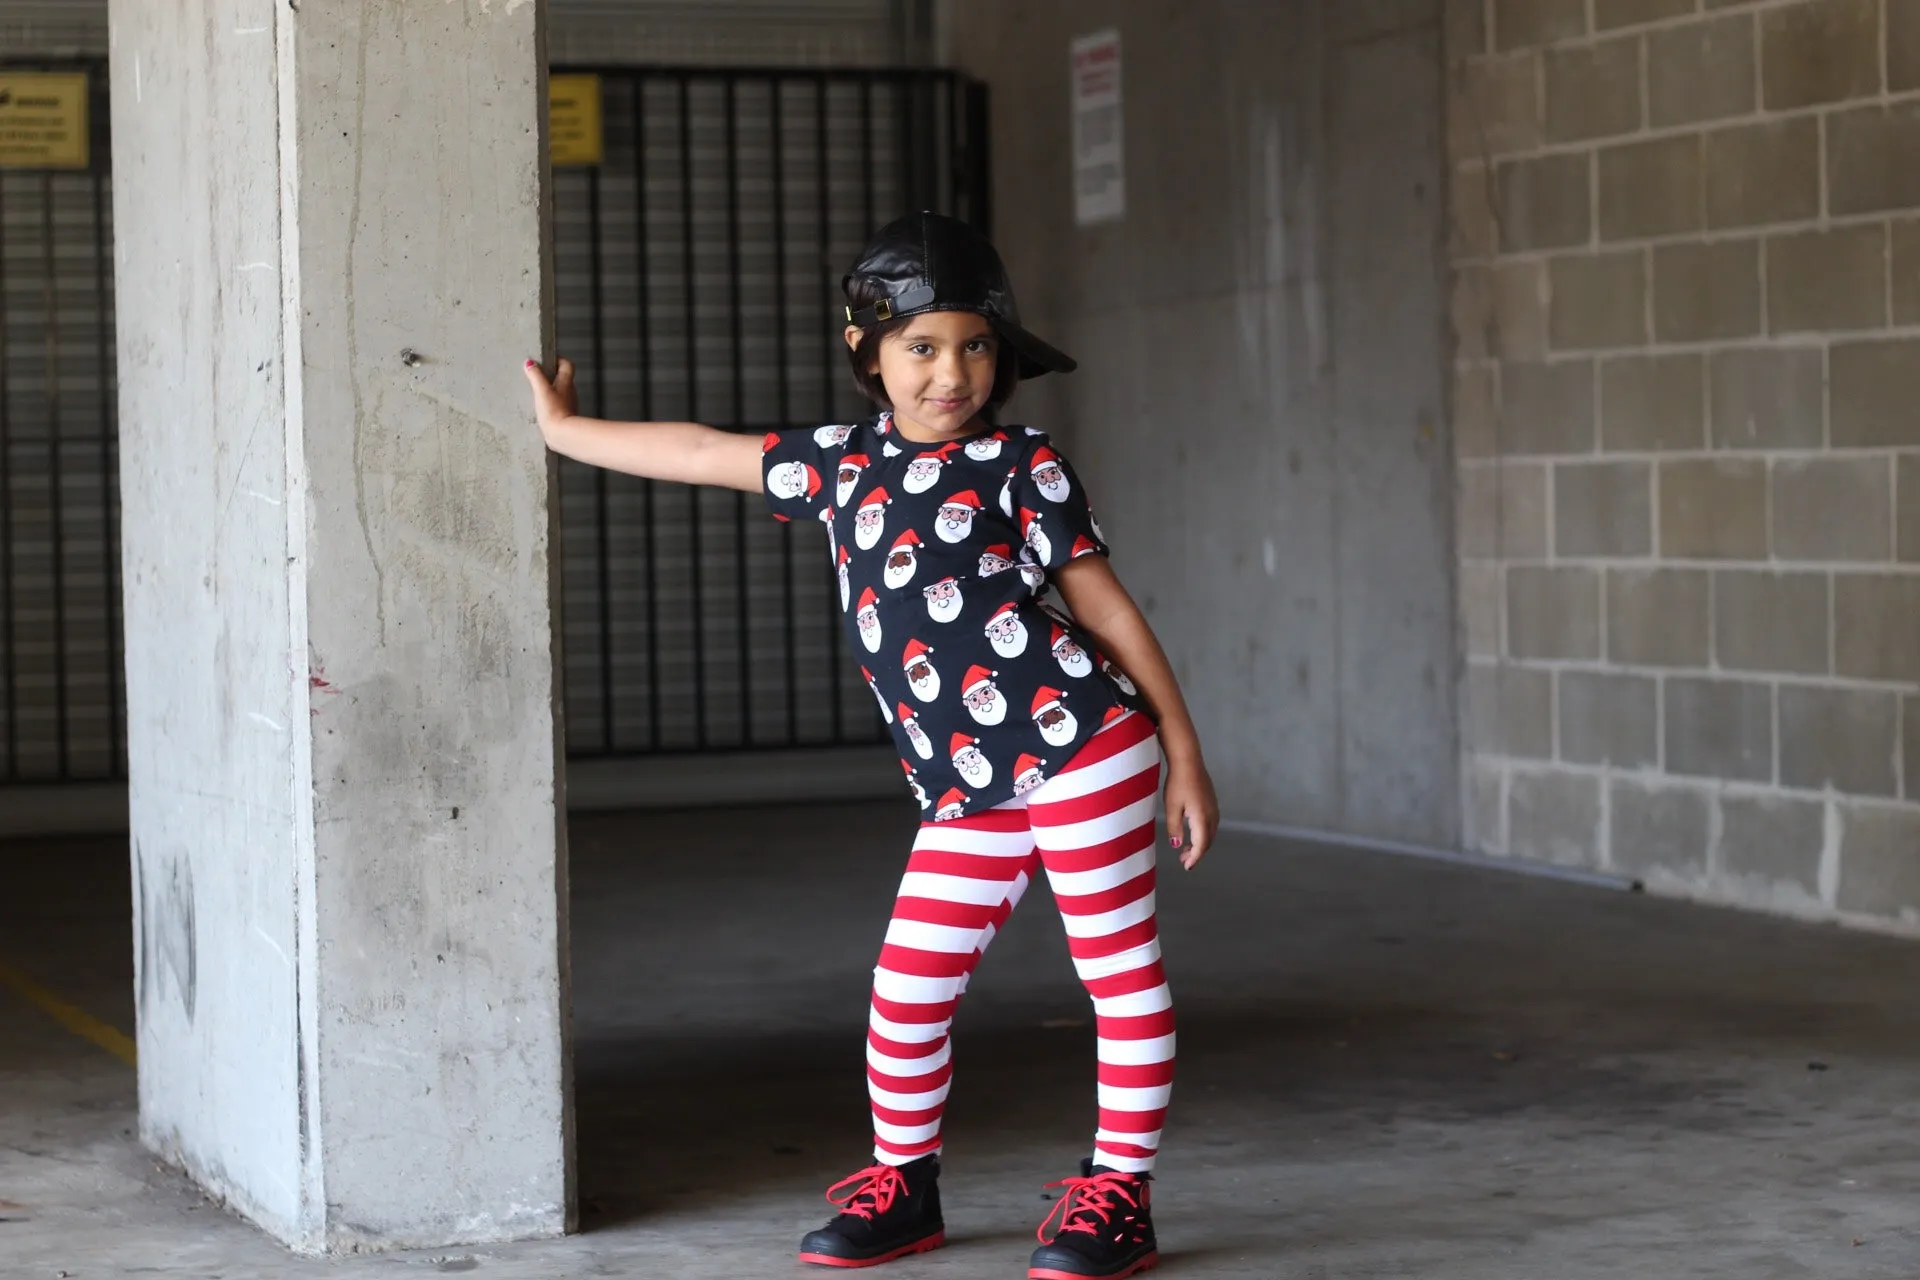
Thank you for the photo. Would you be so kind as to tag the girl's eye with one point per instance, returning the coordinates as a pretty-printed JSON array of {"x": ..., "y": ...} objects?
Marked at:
[
  {"x": 979, "y": 346},
  {"x": 921, "y": 349}
]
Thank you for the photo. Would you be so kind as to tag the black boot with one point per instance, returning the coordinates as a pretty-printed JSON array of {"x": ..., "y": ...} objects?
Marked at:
[
  {"x": 1105, "y": 1228},
  {"x": 888, "y": 1212}
]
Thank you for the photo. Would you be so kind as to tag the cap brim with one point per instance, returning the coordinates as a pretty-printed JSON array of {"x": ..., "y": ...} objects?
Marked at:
[{"x": 1036, "y": 357}]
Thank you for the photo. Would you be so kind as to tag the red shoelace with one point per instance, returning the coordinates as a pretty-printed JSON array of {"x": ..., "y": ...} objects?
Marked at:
[
  {"x": 1088, "y": 1204},
  {"x": 870, "y": 1191}
]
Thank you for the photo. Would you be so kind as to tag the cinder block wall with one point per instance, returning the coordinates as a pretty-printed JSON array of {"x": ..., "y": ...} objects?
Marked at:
[{"x": 1686, "y": 239}]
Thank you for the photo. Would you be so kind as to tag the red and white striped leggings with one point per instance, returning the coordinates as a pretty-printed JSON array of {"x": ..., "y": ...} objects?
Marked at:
[{"x": 1091, "y": 826}]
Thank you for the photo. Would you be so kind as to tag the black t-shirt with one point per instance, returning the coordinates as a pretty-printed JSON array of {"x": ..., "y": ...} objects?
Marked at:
[{"x": 942, "y": 553}]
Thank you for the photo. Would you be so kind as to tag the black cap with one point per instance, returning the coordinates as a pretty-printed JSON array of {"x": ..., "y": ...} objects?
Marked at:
[{"x": 930, "y": 262}]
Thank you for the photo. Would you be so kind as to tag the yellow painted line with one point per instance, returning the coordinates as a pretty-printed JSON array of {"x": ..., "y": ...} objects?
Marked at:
[{"x": 78, "y": 1021}]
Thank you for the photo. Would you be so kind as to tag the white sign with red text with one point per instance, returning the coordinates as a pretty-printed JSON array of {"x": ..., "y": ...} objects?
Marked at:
[{"x": 1099, "y": 180}]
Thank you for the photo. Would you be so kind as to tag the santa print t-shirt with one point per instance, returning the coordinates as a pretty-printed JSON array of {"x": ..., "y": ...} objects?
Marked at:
[{"x": 942, "y": 554}]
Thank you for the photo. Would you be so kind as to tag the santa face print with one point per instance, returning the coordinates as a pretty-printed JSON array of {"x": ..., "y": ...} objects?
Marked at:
[
  {"x": 943, "y": 600},
  {"x": 1033, "y": 575},
  {"x": 922, "y": 744},
  {"x": 1051, "y": 481},
  {"x": 891, "y": 449},
  {"x": 846, "y": 583},
  {"x": 791, "y": 480},
  {"x": 952, "y": 809},
  {"x": 1056, "y": 725},
  {"x": 901, "y": 564},
  {"x": 922, "y": 678},
  {"x": 956, "y": 519},
  {"x": 985, "y": 449},
  {"x": 973, "y": 766},
  {"x": 992, "y": 561},
  {"x": 869, "y": 620},
  {"x": 1007, "y": 634},
  {"x": 923, "y": 473},
  {"x": 850, "y": 470},
  {"x": 913, "y": 780},
  {"x": 986, "y": 704},
  {"x": 831, "y": 437},
  {"x": 1006, "y": 497},
  {"x": 1072, "y": 658},
  {"x": 1118, "y": 677},
  {"x": 1037, "y": 539},
  {"x": 868, "y": 524},
  {"x": 886, "y": 712}
]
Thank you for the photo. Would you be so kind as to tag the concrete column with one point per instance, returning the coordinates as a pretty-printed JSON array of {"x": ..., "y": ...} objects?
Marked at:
[{"x": 344, "y": 746}]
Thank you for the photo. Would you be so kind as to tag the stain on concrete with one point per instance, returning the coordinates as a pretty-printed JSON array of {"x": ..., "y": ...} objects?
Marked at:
[{"x": 168, "y": 939}]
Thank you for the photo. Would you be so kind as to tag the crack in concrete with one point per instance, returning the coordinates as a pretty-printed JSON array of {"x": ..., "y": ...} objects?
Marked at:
[{"x": 353, "y": 336}]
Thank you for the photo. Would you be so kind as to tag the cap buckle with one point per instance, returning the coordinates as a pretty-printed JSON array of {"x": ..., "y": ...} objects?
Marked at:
[{"x": 883, "y": 310}]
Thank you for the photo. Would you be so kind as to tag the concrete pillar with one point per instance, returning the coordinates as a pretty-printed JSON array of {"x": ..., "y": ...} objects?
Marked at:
[{"x": 344, "y": 744}]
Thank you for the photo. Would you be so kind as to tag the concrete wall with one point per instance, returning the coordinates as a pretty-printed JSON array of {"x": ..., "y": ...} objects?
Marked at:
[
  {"x": 1259, "y": 409},
  {"x": 205, "y": 540},
  {"x": 1687, "y": 242},
  {"x": 344, "y": 795}
]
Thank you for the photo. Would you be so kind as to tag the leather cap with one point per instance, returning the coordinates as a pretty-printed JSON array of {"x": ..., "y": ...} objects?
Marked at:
[{"x": 930, "y": 262}]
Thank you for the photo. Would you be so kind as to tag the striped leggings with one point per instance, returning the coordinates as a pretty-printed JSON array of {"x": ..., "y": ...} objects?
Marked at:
[{"x": 1091, "y": 826}]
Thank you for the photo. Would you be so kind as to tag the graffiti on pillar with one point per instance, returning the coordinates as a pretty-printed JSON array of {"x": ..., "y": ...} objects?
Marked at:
[{"x": 169, "y": 946}]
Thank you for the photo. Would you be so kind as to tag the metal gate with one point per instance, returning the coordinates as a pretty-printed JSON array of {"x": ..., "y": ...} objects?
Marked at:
[
  {"x": 60, "y": 663},
  {"x": 697, "y": 278}
]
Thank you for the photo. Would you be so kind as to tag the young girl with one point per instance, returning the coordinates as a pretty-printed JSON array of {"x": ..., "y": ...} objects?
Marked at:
[{"x": 1028, "y": 736}]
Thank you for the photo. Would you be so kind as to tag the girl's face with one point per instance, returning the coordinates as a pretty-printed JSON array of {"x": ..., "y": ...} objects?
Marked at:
[{"x": 938, "y": 372}]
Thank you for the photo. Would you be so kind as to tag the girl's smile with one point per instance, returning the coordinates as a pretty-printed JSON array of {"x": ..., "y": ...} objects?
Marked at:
[{"x": 938, "y": 372}]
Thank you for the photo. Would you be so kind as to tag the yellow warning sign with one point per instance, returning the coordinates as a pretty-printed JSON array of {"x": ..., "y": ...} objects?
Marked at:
[
  {"x": 43, "y": 120},
  {"x": 573, "y": 120}
]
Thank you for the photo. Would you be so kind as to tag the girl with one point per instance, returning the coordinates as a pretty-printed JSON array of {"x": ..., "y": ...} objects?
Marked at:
[{"x": 1028, "y": 736}]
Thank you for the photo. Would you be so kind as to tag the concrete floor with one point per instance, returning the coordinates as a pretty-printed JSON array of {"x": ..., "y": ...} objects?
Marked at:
[{"x": 1389, "y": 1068}]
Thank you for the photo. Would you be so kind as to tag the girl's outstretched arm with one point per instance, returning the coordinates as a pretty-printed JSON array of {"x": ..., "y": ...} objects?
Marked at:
[
  {"x": 682, "y": 451},
  {"x": 1102, "y": 606}
]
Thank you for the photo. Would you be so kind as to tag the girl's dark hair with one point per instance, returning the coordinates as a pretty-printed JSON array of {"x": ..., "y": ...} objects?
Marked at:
[{"x": 864, "y": 293}]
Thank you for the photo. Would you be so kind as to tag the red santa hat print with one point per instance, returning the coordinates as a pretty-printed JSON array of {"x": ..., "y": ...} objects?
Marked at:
[
  {"x": 965, "y": 498},
  {"x": 976, "y": 677},
  {"x": 1024, "y": 765},
  {"x": 960, "y": 744},
  {"x": 1083, "y": 546},
  {"x": 1043, "y": 457},
  {"x": 915, "y": 651},
  {"x": 875, "y": 501},
  {"x": 1045, "y": 699},
  {"x": 907, "y": 541},
  {"x": 854, "y": 462},
  {"x": 868, "y": 600},
  {"x": 1059, "y": 637}
]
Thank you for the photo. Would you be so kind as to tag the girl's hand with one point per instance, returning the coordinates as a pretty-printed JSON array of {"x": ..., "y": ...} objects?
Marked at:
[
  {"x": 1193, "y": 812},
  {"x": 553, "y": 402}
]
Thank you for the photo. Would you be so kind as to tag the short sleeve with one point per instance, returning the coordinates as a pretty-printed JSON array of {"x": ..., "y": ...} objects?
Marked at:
[
  {"x": 1055, "y": 516},
  {"x": 797, "y": 469}
]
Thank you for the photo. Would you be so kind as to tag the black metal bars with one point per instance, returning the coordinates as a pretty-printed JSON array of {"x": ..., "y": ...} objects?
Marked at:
[{"x": 727, "y": 207}]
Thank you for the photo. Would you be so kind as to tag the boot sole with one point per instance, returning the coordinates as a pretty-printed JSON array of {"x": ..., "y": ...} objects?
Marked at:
[
  {"x": 927, "y": 1245},
  {"x": 1052, "y": 1273}
]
